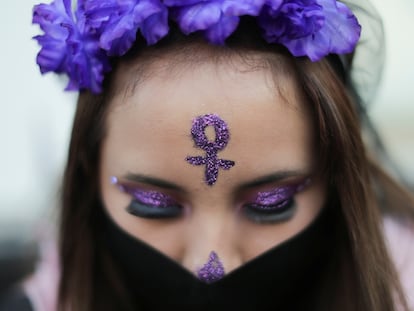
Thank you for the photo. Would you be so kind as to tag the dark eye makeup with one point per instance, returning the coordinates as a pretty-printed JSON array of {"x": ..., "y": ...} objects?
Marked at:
[
  {"x": 148, "y": 203},
  {"x": 140, "y": 209},
  {"x": 276, "y": 205},
  {"x": 282, "y": 211},
  {"x": 273, "y": 206}
]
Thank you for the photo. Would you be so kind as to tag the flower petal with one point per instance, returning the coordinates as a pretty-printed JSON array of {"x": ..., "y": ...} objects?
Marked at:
[
  {"x": 339, "y": 34},
  {"x": 119, "y": 36},
  {"x": 274, "y": 6},
  {"x": 312, "y": 28},
  {"x": 87, "y": 66},
  {"x": 68, "y": 48},
  {"x": 51, "y": 55},
  {"x": 56, "y": 22},
  {"x": 177, "y": 3},
  {"x": 218, "y": 33},
  {"x": 155, "y": 27},
  {"x": 99, "y": 12},
  {"x": 216, "y": 19},
  {"x": 118, "y": 32},
  {"x": 341, "y": 27},
  {"x": 198, "y": 17},
  {"x": 242, "y": 7}
]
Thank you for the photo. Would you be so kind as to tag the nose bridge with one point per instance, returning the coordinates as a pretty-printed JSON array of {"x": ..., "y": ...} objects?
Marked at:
[{"x": 212, "y": 229}]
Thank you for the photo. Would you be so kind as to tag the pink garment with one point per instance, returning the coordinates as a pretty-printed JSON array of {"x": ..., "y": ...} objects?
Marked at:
[
  {"x": 400, "y": 242},
  {"x": 41, "y": 287}
]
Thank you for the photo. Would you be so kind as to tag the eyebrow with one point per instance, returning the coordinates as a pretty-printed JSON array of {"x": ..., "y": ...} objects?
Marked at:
[
  {"x": 154, "y": 181},
  {"x": 273, "y": 177},
  {"x": 262, "y": 180}
]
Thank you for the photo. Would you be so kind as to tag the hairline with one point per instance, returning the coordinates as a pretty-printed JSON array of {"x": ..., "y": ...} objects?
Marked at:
[{"x": 174, "y": 60}]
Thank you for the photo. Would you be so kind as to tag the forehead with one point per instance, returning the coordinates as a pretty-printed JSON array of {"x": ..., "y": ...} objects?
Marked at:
[
  {"x": 208, "y": 79},
  {"x": 150, "y": 127}
]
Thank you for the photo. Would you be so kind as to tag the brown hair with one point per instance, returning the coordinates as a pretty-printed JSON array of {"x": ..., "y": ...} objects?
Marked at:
[{"x": 364, "y": 279}]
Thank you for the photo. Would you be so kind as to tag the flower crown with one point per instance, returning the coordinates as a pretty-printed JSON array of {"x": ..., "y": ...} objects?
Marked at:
[{"x": 80, "y": 42}]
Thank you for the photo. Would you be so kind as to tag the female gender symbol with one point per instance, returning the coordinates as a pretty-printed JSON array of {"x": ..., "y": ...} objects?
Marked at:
[{"x": 212, "y": 163}]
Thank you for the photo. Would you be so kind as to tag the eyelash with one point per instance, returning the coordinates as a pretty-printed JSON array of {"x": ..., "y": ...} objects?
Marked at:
[
  {"x": 273, "y": 206},
  {"x": 267, "y": 214},
  {"x": 143, "y": 210}
]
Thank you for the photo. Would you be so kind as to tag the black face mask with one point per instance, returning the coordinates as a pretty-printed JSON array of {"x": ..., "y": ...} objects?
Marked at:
[{"x": 288, "y": 277}]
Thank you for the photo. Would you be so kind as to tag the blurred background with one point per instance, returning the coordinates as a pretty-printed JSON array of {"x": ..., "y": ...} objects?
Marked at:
[{"x": 36, "y": 115}]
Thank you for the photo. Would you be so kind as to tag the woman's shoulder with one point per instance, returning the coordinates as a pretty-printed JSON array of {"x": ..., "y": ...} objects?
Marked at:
[
  {"x": 399, "y": 236},
  {"x": 15, "y": 299}
]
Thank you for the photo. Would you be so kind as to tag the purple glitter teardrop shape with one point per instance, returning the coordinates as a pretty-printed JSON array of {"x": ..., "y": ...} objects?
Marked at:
[{"x": 212, "y": 271}]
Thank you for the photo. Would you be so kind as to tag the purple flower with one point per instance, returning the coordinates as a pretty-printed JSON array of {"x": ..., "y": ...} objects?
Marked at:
[
  {"x": 312, "y": 28},
  {"x": 217, "y": 19},
  {"x": 118, "y": 21},
  {"x": 68, "y": 48},
  {"x": 80, "y": 43}
]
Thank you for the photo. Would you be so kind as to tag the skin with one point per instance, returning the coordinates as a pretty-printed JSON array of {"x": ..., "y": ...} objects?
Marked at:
[{"x": 148, "y": 133}]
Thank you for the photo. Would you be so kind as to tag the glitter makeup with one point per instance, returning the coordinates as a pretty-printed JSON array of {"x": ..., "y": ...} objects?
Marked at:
[
  {"x": 148, "y": 203},
  {"x": 275, "y": 205},
  {"x": 152, "y": 198},
  {"x": 212, "y": 271},
  {"x": 272, "y": 198},
  {"x": 211, "y": 161}
]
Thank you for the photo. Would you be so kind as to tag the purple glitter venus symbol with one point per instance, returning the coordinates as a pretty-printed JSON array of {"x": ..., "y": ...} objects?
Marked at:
[
  {"x": 212, "y": 271},
  {"x": 211, "y": 161}
]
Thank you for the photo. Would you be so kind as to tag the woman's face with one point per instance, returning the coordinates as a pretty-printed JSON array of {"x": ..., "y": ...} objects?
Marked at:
[{"x": 158, "y": 186}]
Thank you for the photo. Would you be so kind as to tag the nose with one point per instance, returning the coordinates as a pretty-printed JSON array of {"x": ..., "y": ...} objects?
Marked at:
[{"x": 212, "y": 244}]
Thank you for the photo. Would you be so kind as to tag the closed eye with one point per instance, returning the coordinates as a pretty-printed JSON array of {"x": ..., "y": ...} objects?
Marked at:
[
  {"x": 149, "y": 203},
  {"x": 139, "y": 209},
  {"x": 275, "y": 205},
  {"x": 270, "y": 213}
]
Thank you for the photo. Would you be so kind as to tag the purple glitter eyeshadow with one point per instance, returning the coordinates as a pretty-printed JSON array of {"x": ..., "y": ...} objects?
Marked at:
[
  {"x": 278, "y": 196},
  {"x": 212, "y": 271},
  {"x": 152, "y": 198},
  {"x": 273, "y": 197},
  {"x": 211, "y": 161}
]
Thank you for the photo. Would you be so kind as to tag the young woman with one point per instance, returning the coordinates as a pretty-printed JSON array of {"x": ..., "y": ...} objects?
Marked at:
[{"x": 217, "y": 160}]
